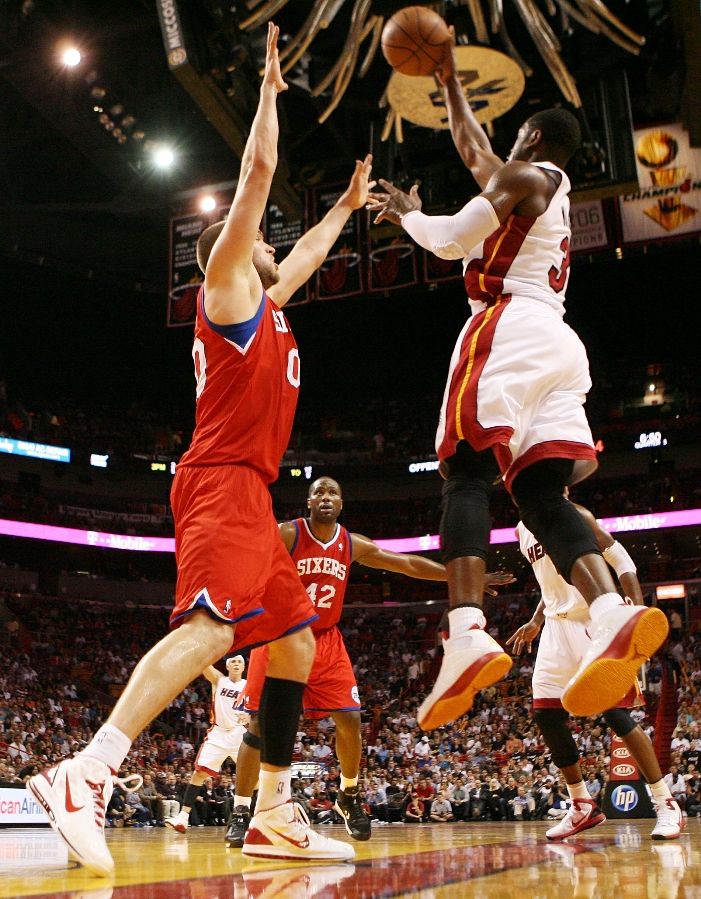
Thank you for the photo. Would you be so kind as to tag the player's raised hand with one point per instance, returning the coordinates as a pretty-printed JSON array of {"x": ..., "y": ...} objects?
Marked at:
[
  {"x": 524, "y": 637},
  {"x": 393, "y": 203},
  {"x": 272, "y": 76},
  {"x": 497, "y": 579},
  {"x": 357, "y": 190},
  {"x": 446, "y": 67}
]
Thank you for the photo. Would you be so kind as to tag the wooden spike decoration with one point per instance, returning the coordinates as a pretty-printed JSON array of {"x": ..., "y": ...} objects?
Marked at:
[{"x": 593, "y": 15}]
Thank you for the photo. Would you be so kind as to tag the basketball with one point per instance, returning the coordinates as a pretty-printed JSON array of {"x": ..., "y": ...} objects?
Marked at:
[{"x": 412, "y": 40}]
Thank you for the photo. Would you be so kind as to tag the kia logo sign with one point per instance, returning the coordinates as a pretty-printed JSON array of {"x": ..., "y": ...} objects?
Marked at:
[
  {"x": 621, "y": 753},
  {"x": 623, "y": 770},
  {"x": 624, "y": 798}
]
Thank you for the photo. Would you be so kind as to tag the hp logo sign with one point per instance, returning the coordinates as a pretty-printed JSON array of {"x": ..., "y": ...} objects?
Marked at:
[{"x": 624, "y": 798}]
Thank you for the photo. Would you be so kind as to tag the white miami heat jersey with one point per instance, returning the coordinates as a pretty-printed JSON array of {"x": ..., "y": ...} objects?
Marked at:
[
  {"x": 525, "y": 257},
  {"x": 559, "y": 596},
  {"x": 227, "y": 696}
]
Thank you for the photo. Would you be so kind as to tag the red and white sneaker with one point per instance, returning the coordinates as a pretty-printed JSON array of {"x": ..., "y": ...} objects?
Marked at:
[
  {"x": 670, "y": 820},
  {"x": 582, "y": 814},
  {"x": 75, "y": 794},
  {"x": 470, "y": 663},
  {"x": 622, "y": 639},
  {"x": 179, "y": 822},
  {"x": 285, "y": 832}
]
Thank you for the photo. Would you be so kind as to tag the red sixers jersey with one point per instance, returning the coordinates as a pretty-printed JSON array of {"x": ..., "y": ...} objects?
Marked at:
[
  {"x": 246, "y": 395},
  {"x": 323, "y": 569}
]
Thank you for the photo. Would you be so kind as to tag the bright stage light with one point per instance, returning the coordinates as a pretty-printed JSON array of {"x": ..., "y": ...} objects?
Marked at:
[
  {"x": 71, "y": 57},
  {"x": 208, "y": 204},
  {"x": 163, "y": 157}
]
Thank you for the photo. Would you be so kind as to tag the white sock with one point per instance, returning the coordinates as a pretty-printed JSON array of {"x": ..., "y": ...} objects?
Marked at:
[
  {"x": 347, "y": 782},
  {"x": 110, "y": 746},
  {"x": 465, "y": 619},
  {"x": 603, "y": 603},
  {"x": 660, "y": 790},
  {"x": 242, "y": 800},
  {"x": 578, "y": 791},
  {"x": 274, "y": 788}
]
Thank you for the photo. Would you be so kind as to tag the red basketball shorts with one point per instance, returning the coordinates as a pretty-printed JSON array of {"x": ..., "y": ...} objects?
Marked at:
[
  {"x": 231, "y": 560},
  {"x": 331, "y": 686}
]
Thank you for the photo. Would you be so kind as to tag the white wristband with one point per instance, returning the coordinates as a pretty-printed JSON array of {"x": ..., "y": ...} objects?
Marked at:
[{"x": 618, "y": 558}]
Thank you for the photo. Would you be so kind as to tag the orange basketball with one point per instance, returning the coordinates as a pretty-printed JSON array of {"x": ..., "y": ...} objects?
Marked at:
[{"x": 412, "y": 40}]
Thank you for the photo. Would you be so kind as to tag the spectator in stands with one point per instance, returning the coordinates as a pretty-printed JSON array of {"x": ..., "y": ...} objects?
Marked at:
[
  {"x": 377, "y": 801},
  {"x": 677, "y": 785},
  {"x": 166, "y": 791},
  {"x": 441, "y": 810},
  {"x": 593, "y": 786},
  {"x": 415, "y": 810}
]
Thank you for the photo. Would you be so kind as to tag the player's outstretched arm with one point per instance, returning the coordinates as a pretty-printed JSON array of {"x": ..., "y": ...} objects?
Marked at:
[
  {"x": 232, "y": 287},
  {"x": 366, "y": 552},
  {"x": 212, "y": 674},
  {"x": 517, "y": 184},
  {"x": 312, "y": 248},
  {"x": 469, "y": 137},
  {"x": 617, "y": 557}
]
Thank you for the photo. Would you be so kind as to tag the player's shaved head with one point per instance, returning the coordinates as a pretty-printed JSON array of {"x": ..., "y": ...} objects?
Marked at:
[{"x": 321, "y": 482}]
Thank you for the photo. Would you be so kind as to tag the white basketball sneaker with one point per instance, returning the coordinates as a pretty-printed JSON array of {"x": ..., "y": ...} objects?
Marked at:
[
  {"x": 75, "y": 794},
  {"x": 622, "y": 639},
  {"x": 581, "y": 815},
  {"x": 670, "y": 820},
  {"x": 179, "y": 822},
  {"x": 285, "y": 832},
  {"x": 470, "y": 663}
]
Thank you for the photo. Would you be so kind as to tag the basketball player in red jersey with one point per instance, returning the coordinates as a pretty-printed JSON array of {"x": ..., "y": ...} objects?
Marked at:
[
  {"x": 516, "y": 387},
  {"x": 231, "y": 564},
  {"x": 323, "y": 551}
]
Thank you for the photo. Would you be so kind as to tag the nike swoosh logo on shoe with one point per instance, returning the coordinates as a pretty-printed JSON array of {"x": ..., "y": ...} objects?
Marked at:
[
  {"x": 69, "y": 800},
  {"x": 300, "y": 844}
]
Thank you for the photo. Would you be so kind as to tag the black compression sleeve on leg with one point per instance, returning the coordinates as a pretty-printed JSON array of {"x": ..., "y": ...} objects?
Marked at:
[
  {"x": 557, "y": 735},
  {"x": 278, "y": 718},
  {"x": 552, "y": 519},
  {"x": 465, "y": 522},
  {"x": 620, "y": 721}
]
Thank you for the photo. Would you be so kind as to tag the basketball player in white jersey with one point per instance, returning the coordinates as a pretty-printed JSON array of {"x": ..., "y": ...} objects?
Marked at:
[
  {"x": 515, "y": 393},
  {"x": 563, "y": 643},
  {"x": 223, "y": 740}
]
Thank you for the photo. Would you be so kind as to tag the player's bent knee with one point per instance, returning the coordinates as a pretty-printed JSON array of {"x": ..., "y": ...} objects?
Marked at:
[
  {"x": 552, "y": 519},
  {"x": 553, "y": 724},
  {"x": 620, "y": 721},
  {"x": 292, "y": 656}
]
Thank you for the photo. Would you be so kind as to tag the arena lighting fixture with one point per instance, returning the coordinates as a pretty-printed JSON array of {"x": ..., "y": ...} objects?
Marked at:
[
  {"x": 71, "y": 57},
  {"x": 208, "y": 203},
  {"x": 163, "y": 156}
]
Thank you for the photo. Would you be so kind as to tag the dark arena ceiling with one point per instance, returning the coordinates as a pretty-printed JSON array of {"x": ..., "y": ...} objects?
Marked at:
[{"x": 75, "y": 195}]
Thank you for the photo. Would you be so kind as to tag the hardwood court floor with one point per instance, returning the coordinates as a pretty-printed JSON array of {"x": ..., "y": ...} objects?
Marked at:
[{"x": 475, "y": 861}]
